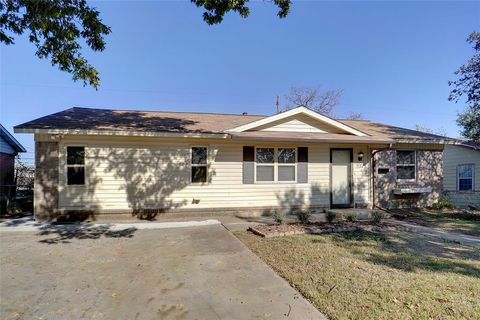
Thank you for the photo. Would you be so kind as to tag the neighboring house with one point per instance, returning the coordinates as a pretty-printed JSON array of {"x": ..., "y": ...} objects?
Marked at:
[
  {"x": 461, "y": 171},
  {"x": 113, "y": 161},
  {"x": 9, "y": 148}
]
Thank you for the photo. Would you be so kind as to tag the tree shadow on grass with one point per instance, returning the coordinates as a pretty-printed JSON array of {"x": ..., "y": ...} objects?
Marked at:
[
  {"x": 65, "y": 233},
  {"x": 410, "y": 252}
]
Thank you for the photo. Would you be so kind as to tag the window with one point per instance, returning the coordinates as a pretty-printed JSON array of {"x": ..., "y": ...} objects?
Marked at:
[
  {"x": 405, "y": 165},
  {"x": 465, "y": 177},
  {"x": 286, "y": 164},
  {"x": 276, "y": 164},
  {"x": 75, "y": 165},
  {"x": 199, "y": 164},
  {"x": 265, "y": 158}
]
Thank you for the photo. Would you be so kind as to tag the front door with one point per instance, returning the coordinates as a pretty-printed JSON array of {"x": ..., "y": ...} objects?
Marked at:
[{"x": 341, "y": 177}]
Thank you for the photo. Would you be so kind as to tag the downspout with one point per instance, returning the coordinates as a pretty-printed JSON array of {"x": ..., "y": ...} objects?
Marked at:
[{"x": 373, "y": 173}]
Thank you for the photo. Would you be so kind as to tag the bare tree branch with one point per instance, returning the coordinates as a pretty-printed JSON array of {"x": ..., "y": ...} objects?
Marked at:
[{"x": 313, "y": 98}]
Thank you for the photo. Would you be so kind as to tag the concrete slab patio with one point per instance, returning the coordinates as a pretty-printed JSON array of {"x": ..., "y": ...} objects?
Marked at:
[{"x": 180, "y": 273}]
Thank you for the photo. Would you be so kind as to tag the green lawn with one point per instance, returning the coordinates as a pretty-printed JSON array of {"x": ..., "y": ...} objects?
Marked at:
[
  {"x": 364, "y": 275},
  {"x": 448, "y": 221}
]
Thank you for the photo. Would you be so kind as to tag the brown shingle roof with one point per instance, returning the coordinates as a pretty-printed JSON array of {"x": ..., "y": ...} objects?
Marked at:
[
  {"x": 192, "y": 122},
  {"x": 384, "y": 130},
  {"x": 140, "y": 121}
]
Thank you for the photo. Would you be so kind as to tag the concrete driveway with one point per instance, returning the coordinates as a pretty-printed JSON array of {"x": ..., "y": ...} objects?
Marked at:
[{"x": 182, "y": 273}]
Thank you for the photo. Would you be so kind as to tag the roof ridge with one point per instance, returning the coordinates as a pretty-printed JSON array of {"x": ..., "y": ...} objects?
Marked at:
[{"x": 162, "y": 111}]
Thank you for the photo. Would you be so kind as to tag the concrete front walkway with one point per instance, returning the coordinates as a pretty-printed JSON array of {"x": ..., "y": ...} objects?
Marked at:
[
  {"x": 178, "y": 273},
  {"x": 464, "y": 239}
]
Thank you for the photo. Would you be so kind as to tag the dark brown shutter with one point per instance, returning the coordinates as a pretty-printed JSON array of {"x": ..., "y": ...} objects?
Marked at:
[
  {"x": 302, "y": 165},
  {"x": 248, "y": 165}
]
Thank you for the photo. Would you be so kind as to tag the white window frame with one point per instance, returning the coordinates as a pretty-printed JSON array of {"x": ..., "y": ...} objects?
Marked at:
[
  {"x": 76, "y": 166},
  {"x": 294, "y": 165},
  {"x": 414, "y": 165},
  {"x": 473, "y": 177},
  {"x": 275, "y": 164},
  {"x": 206, "y": 165}
]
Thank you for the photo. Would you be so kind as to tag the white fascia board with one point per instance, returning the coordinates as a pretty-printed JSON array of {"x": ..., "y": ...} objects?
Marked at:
[
  {"x": 292, "y": 112},
  {"x": 125, "y": 133}
]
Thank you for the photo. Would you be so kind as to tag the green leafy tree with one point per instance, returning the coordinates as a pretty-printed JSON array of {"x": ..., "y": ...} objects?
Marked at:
[
  {"x": 468, "y": 86},
  {"x": 469, "y": 120},
  {"x": 55, "y": 27},
  {"x": 215, "y": 10}
]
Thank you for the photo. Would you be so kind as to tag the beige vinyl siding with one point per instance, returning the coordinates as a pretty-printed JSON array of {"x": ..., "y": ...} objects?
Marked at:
[
  {"x": 299, "y": 123},
  {"x": 453, "y": 157},
  {"x": 126, "y": 173}
]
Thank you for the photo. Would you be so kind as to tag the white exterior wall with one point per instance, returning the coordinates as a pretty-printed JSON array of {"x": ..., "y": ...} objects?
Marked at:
[
  {"x": 5, "y": 147},
  {"x": 452, "y": 157},
  {"x": 127, "y": 173}
]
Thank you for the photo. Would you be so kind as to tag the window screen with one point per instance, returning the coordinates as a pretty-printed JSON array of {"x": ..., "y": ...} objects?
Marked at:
[
  {"x": 75, "y": 165},
  {"x": 199, "y": 164},
  {"x": 265, "y": 159},
  {"x": 286, "y": 164},
  {"x": 406, "y": 165},
  {"x": 465, "y": 177}
]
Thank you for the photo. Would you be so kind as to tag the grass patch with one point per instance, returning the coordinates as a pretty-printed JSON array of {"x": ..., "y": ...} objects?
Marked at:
[
  {"x": 365, "y": 275},
  {"x": 447, "y": 221}
]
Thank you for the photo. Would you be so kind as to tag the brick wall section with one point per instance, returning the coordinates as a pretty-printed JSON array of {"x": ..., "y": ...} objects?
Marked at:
[
  {"x": 429, "y": 174},
  {"x": 46, "y": 180}
]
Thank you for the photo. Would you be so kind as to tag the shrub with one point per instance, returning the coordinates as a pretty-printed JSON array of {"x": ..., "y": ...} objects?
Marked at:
[
  {"x": 330, "y": 216},
  {"x": 351, "y": 217},
  {"x": 279, "y": 216},
  {"x": 443, "y": 203},
  {"x": 377, "y": 216},
  {"x": 303, "y": 216}
]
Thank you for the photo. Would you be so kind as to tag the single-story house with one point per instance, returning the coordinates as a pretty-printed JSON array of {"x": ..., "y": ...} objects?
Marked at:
[
  {"x": 9, "y": 148},
  {"x": 115, "y": 161},
  {"x": 461, "y": 172}
]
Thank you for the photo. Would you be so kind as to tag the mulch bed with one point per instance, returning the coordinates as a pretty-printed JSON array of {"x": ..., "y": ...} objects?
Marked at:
[{"x": 278, "y": 230}]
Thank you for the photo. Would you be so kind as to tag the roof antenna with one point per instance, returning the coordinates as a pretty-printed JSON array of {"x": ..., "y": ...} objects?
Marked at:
[{"x": 278, "y": 104}]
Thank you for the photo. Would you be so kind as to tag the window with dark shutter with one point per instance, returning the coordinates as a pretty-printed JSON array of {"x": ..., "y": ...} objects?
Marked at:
[
  {"x": 302, "y": 166},
  {"x": 248, "y": 165}
]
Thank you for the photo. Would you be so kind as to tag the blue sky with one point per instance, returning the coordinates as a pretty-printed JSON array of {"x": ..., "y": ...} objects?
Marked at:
[{"x": 392, "y": 59}]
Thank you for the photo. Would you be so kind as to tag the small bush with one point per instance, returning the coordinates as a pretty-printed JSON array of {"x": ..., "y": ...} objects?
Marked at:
[
  {"x": 443, "y": 203},
  {"x": 351, "y": 217},
  {"x": 303, "y": 216},
  {"x": 279, "y": 216},
  {"x": 330, "y": 216},
  {"x": 377, "y": 216}
]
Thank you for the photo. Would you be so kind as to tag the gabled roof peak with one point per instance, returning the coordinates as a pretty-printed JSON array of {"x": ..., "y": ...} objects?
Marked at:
[{"x": 301, "y": 110}]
